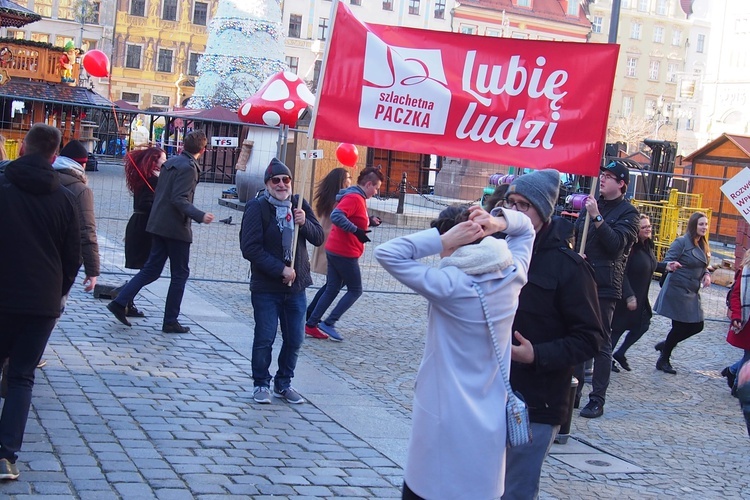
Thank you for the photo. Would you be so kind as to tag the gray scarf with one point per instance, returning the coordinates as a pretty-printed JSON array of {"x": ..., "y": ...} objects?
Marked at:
[{"x": 285, "y": 223}]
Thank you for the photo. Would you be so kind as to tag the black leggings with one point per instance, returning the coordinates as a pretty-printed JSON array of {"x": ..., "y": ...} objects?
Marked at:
[
  {"x": 407, "y": 494},
  {"x": 680, "y": 331}
]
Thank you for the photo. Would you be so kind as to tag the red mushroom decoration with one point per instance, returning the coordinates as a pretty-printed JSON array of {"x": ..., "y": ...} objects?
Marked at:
[{"x": 280, "y": 101}]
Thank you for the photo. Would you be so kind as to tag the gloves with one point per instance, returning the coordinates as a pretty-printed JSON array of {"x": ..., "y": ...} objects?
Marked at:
[
  {"x": 375, "y": 221},
  {"x": 361, "y": 235}
]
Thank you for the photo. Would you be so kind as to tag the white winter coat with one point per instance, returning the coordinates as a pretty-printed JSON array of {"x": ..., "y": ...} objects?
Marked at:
[{"x": 457, "y": 445}]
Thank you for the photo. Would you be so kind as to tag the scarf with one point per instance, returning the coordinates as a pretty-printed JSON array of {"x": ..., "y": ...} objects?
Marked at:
[
  {"x": 745, "y": 295},
  {"x": 285, "y": 223},
  {"x": 488, "y": 256}
]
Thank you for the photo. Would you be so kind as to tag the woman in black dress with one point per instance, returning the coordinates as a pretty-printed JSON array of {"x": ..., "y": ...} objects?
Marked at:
[{"x": 142, "y": 168}]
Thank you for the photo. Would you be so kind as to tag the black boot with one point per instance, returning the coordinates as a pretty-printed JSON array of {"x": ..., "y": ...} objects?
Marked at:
[
  {"x": 133, "y": 312},
  {"x": 659, "y": 346},
  {"x": 663, "y": 364}
]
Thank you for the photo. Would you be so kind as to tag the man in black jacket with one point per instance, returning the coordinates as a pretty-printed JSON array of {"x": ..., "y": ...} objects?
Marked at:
[
  {"x": 556, "y": 326},
  {"x": 40, "y": 253},
  {"x": 613, "y": 229},
  {"x": 170, "y": 226}
]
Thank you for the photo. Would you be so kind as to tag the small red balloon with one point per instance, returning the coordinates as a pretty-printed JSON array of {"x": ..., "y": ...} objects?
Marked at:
[
  {"x": 347, "y": 154},
  {"x": 96, "y": 63}
]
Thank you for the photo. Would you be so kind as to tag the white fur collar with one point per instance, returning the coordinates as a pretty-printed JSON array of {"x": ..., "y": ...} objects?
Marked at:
[{"x": 488, "y": 256}]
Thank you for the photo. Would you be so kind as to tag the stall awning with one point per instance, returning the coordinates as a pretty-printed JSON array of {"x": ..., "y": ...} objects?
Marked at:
[{"x": 53, "y": 93}]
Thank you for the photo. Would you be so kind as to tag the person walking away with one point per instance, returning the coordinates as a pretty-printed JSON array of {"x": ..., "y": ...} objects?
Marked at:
[
  {"x": 633, "y": 310},
  {"x": 40, "y": 254},
  {"x": 458, "y": 437},
  {"x": 739, "y": 329},
  {"x": 344, "y": 247},
  {"x": 551, "y": 343},
  {"x": 687, "y": 261},
  {"x": 172, "y": 234},
  {"x": 277, "y": 286},
  {"x": 142, "y": 167},
  {"x": 613, "y": 228},
  {"x": 325, "y": 201}
]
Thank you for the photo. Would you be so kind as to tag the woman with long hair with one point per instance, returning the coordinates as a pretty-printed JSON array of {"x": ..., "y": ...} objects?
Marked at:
[
  {"x": 687, "y": 263},
  {"x": 142, "y": 168},
  {"x": 324, "y": 203}
]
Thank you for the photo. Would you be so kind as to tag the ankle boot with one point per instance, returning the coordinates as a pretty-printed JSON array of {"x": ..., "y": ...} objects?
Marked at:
[{"x": 664, "y": 365}]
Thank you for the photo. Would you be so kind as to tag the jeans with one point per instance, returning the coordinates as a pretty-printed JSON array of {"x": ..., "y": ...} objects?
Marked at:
[
  {"x": 314, "y": 302},
  {"x": 178, "y": 253},
  {"x": 602, "y": 359},
  {"x": 735, "y": 368},
  {"x": 523, "y": 467},
  {"x": 22, "y": 340},
  {"x": 341, "y": 271},
  {"x": 743, "y": 394},
  {"x": 270, "y": 309}
]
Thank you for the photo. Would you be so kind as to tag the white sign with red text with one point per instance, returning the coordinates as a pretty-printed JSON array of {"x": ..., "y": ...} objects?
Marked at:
[{"x": 737, "y": 189}]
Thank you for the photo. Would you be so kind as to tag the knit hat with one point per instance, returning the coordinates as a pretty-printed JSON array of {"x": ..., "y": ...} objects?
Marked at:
[
  {"x": 541, "y": 188},
  {"x": 75, "y": 151},
  {"x": 276, "y": 168}
]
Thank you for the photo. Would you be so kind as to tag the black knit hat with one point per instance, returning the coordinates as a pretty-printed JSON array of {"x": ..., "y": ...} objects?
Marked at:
[
  {"x": 75, "y": 151},
  {"x": 276, "y": 168}
]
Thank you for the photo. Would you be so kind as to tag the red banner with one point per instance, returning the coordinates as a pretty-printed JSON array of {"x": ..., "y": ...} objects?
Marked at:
[{"x": 522, "y": 103}]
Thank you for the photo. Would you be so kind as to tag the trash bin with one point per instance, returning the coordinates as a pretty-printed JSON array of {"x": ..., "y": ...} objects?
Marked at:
[{"x": 564, "y": 433}]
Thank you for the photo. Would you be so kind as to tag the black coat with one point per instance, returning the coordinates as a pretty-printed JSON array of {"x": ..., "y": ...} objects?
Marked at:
[
  {"x": 558, "y": 312},
  {"x": 608, "y": 245},
  {"x": 40, "y": 239},
  {"x": 639, "y": 273},
  {"x": 137, "y": 240}
]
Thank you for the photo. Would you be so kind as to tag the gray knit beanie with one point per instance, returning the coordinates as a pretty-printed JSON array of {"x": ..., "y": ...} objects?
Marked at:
[
  {"x": 275, "y": 168},
  {"x": 541, "y": 188}
]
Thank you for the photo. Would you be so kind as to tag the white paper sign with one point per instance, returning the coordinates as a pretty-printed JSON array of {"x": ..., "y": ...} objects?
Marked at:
[
  {"x": 313, "y": 154},
  {"x": 224, "y": 142},
  {"x": 737, "y": 189}
]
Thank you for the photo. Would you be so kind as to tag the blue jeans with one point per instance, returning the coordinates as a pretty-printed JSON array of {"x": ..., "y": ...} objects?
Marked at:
[
  {"x": 22, "y": 340},
  {"x": 523, "y": 467},
  {"x": 178, "y": 253},
  {"x": 270, "y": 309},
  {"x": 341, "y": 271}
]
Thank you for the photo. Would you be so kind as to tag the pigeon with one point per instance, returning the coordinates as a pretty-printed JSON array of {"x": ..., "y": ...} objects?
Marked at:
[{"x": 228, "y": 220}]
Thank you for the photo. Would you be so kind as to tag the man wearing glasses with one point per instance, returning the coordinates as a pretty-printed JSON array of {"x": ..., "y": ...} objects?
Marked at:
[
  {"x": 277, "y": 285},
  {"x": 613, "y": 228}
]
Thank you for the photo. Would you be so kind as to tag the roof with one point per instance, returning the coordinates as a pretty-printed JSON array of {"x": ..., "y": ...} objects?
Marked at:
[
  {"x": 551, "y": 10},
  {"x": 215, "y": 114},
  {"x": 741, "y": 141},
  {"x": 125, "y": 105},
  {"x": 15, "y": 16},
  {"x": 55, "y": 93}
]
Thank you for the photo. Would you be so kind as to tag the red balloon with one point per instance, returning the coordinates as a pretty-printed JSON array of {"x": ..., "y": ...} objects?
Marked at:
[
  {"x": 96, "y": 63},
  {"x": 347, "y": 154}
]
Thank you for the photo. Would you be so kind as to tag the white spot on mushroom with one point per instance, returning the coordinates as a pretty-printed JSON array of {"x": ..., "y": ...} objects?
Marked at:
[
  {"x": 289, "y": 105},
  {"x": 271, "y": 118},
  {"x": 277, "y": 91},
  {"x": 304, "y": 93},
  {"x": 245, "y": 109}
]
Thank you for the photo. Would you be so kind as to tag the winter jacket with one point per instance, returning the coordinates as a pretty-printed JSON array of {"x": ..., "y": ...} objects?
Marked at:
[
  {"x": 679, "y": 298},
  {"x": 73, "y": 177},
  {"x": 349, "y": 215},
  {"x": 173, "y": 207},
  {"x": 319, "y": 261},
  {"x": 639, "y": 272},
  {"x": 137, "y": 240},
  {"x": 457, "y": 444},
  {"x": 263, "y": 248},
  {"x": 40, "y": 238},
  {"x": 558, "y": 312},
  {"x": 608, "y": 245},
  {"x": 740, "y": 339}
]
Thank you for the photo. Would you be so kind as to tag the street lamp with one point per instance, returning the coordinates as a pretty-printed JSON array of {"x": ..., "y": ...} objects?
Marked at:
[{"x": 660, "y": 114}]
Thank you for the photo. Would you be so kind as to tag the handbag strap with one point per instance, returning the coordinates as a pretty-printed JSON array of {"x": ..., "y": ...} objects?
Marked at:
[{"x": 495, "y": 344}]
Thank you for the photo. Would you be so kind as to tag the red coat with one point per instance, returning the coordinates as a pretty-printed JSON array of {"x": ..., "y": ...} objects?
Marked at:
[
  {"x": 742, "y": 338},
  {"x": 343, "y": 243}
]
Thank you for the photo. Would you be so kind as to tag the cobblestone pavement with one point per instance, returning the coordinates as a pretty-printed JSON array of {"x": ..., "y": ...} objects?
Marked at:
[{"x": 134, "y": 413}]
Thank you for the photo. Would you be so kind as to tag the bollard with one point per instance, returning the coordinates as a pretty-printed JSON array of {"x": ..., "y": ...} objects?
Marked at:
[
  {"x": 401, "y": 194},
  {"x": 564, "y": 433}
]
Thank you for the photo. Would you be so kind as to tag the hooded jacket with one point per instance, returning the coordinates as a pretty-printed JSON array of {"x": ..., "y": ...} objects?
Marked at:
[
  {"x": 40, "y": 241},
  {"x": 349, "y": 215},
  {"x": 73, "y": 177}
]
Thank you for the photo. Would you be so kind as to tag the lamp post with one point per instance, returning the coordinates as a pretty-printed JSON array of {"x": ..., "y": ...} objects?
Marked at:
[{"x": 661, "y": 115}]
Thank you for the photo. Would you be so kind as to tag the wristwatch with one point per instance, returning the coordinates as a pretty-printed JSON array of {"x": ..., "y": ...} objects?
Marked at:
[{"x": 598, "y": 218}]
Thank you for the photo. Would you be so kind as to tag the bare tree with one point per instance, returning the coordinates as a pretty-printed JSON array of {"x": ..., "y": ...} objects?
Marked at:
[{"x": 630, "y": 130}]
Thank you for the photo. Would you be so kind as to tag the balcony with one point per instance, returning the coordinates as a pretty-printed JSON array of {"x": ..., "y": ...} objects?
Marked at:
[{"x": 35, "y": 63}]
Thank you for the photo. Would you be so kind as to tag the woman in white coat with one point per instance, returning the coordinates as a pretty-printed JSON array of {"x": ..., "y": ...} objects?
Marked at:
[{"x": 457, "y": 445}]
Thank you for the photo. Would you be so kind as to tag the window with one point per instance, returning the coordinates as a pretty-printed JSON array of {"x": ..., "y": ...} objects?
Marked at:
[
  {"x": 650, "y": 108},
  {"x": 627, "y": 4},
  {"x": 316, "y": 74},
  {"x": 17, "y": 34},
  {"x": 40, "y": 37},
  {"x": 43, "y": 7},
  {"x": 200, "y": 13},
  {"x": 355, "y": 2},
  {"x": 160, "y": 100},
  {"x": 66, "y": 10},
  {"x": 295, "y": 25},
  {"x": 643, "y": 5},
  {"x": 677, "y": 37},
  {"x": 169, "y": 10},
  {"x": 193, "y": 59},
  {"x": 164, "y": 61},
  {"x": 292, "y": 63},
  {"x": 92, "y": 13},
  {"x": 524, "y": 3},
  {"x": 573, "y": 7},
  {"x": 635, "y": 31},
  {"x": 672, "y": 70},
  {"x": 130, "y": 97},
  {"x": 89, "y": 44},
  {"x": 138, "y": 7},
  {"x": 439, "y": 9},
  {"x": 489, "y": 32},
  {"x": 387, "y": 4},
  {"x": 322, "y": 28},
  {"x": 519, "y": 35},
  {"x": 632, "y": 66},
  {"x": 468, "y": 30},
  {"x": 661, "y": 7},
  {"x": 653, "y": 70},
  {"x": 596, "y": 24},
  {"x": 133, "y": 56},
  {"x": 60, "y": 41},
  {"x": 700, "y": 45},
  {"x": 627, "y": 105},
  {"x": 659, "y": 34},
  {"x": 414, "y": 7}
]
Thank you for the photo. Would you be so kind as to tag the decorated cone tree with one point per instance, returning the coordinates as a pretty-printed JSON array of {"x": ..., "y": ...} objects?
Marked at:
[{"x": 245, "y": 46}]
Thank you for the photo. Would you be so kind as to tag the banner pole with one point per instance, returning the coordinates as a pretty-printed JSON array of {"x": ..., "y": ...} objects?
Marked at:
[{"x": 594, "y": 186}]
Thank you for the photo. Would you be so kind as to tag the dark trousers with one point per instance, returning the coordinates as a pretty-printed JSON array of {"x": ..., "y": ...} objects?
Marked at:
[
  {"x": 178, "y": 253},
  {"x": 22, "y": 341},
  {"x": 633, "y": 336},
  {"x": 341, "y": 271},
  {"x": 602, "y": 359},
  {"x": 680, "y": 331},
  {"x": 313, "y": 304},
  {"x": 407, "y": 494}
]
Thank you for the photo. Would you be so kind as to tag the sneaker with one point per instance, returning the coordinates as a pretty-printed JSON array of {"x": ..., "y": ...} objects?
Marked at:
[
  {"x": 615, "y": 369},
  {"x": 262, "y": 395},
  {"x": 594, "y": 409},
  {"x": 331, "y": 331},
  {"x": 289, "y": 395},
  {"x": 174, "y": 328},
  {"x": 119, "y": 312},
  {"x": 314, "y": 332},
  {"x": 8, "y": 470},
  {"x": 42, "y": 363}
]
